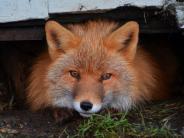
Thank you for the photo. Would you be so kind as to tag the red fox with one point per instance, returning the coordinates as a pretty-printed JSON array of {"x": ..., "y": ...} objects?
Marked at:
[{"x": 92, "y": 66}]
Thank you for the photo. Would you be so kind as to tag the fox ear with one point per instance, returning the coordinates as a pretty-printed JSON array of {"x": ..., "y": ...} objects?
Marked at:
[
  {"x": 125, "y": 39},
  {"x": 59, "y": 39}
]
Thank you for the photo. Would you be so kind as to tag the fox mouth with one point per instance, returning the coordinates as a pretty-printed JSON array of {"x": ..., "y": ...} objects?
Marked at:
[{"x": 85, "y": 114}]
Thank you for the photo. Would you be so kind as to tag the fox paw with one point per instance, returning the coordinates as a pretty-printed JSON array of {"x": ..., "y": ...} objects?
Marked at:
[{"x": 62, "y": 114}]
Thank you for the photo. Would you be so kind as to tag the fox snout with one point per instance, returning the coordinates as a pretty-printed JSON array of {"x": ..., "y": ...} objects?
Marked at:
[
  {"x": 87, "y": 102},
  {"x": 87, "y": 108},
  {"x": 88, "y": 95}
]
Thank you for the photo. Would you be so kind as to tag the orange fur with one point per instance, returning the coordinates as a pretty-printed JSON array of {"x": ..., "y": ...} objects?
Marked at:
[{"x": 92, "y": 49}]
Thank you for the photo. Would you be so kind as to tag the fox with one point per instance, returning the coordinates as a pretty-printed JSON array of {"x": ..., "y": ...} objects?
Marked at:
[{"x": 92, "y": 66}]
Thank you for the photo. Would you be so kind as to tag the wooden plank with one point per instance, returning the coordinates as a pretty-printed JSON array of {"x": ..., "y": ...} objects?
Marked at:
[
  {"x": 17, "y": 10},
  {"x": 63, "y": 6},
  {"x": 21, "y": 10}
]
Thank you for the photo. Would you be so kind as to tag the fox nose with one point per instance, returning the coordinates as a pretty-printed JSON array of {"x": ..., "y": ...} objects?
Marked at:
[{"x": 86, "y": 106}]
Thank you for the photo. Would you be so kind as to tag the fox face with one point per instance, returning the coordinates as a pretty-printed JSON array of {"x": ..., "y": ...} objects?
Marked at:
[
  {"x": 90, "y": 66},
  {"x": 87, "y": 85}
]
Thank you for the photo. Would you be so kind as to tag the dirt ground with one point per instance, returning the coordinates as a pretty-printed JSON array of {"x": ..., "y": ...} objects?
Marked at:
[{"x": 23, "y": 123}]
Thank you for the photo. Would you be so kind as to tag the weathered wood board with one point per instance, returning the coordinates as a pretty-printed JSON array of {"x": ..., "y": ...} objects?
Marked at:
[
  {"x": 18, "y": 10},
  {"x": 25, "y": 19},
  {"x": 62, "y": 6}
]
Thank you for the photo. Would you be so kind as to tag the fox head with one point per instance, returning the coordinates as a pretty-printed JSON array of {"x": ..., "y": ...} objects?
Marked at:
[{"x": 91, "y": 66}]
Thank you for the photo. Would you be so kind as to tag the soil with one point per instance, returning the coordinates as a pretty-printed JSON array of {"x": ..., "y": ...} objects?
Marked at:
[{"x": 23, "y": 123}]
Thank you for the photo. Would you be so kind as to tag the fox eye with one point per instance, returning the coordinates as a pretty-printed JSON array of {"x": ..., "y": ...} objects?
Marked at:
[
  {"x": 106, "y": 76},
  {"x": 74, "y": 74}
]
